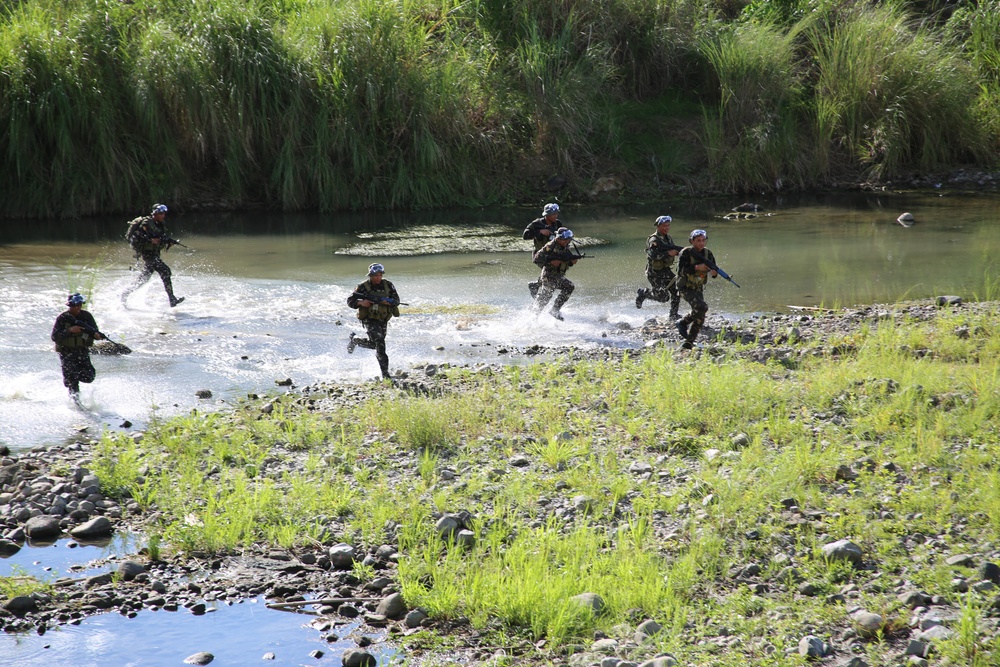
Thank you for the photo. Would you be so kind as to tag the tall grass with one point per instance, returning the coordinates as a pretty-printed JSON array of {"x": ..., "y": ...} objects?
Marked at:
[
  {"x": 322, "y": 104},
  {"x": 754, "y": 136},
  {"x": 890, "y": 95}
]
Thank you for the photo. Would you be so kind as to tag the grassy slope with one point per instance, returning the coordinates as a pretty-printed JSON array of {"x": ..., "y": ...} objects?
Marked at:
[
  {"x": 893, "y": 445},
  {"x": 320, "y": 104}
]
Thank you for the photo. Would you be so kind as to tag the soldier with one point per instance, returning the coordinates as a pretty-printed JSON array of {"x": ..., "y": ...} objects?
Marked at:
[
  {"x": 660, "y": 253},
  {"x": 377, "y": 302},
  {"x": 148, "y": 237},
  {"x": 540, "y": 231},
  {"x": 555, "y": 258},
  {"x": 73, "y": 333},
  {"x": 692, "y": 274}
]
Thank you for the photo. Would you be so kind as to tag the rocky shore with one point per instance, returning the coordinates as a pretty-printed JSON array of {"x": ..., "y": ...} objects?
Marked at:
[{"x": 50, "y": 493}]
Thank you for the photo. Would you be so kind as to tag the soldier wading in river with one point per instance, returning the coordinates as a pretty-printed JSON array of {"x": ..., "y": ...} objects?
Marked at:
[
  {"x": 539, "y": 231},
  {"x": 377, "y": 302},
  {"x": 555, "y": 258},
  {"x": 148, "y": 237},
  {"x": 73, "y": 333},
  {"x": 660, "y": 253}
]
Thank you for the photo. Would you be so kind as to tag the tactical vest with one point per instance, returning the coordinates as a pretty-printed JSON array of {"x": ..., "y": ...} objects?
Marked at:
[
  {"x": 73, "y": 341},
  {"x": 657, "y": 253},
  {"x": 376, "y": 311}
]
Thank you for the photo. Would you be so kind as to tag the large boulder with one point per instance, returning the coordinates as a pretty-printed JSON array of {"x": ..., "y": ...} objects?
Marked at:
[
  {"x": 43, "y": 527},
  {"x": 95, "y": 528}
]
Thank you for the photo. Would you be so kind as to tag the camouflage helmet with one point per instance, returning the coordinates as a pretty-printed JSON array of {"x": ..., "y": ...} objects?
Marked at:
[
  {"x": 159, "y": 208},
  {"x": 375, "y": 268},
  {"x": 564, "y": 233},
  {"x": 663, "y": 219},
  {"x": 550, "y": 209},
  {"x": 697, "y": 232},
  {"x": 75, "y": 299}
]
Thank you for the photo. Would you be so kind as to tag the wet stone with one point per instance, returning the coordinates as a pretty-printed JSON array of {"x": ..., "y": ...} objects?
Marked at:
[
  {"x": 357, "y": 658},
  {"x": 201, "y": 658}
]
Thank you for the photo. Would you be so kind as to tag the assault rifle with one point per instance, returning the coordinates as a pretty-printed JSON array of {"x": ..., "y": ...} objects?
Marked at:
[
  {"x": 171, "y": 242},
  {"x": 712, "y": 265},
  {"x": 113, "y": 347},
  {"x": 381, "y": 300}
]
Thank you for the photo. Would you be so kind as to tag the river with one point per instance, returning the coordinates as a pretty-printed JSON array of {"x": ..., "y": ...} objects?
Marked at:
[{"x": 265, "y": 293}]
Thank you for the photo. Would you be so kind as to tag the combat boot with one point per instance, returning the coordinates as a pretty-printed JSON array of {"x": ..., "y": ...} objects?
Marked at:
[
  {"x": 682, "y": 328},
  {"x": 640, "y": 296},
  {"x": 533, "y": 289},
  {"x": 175, "y": 300},
  {"x": 556, "y": 314},
  {"x": 351, "y": 344},
  {"x": 674, "y": 305},
  {"x": 687, "y": 345}
]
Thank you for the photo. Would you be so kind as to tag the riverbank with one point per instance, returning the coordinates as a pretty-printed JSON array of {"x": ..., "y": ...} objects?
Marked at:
[
  {"x": 817, "y": 483},
  {"x": 109, "y": 106}
]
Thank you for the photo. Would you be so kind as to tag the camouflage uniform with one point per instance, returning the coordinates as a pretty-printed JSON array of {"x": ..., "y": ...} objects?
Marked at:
[
  {"x": 659, "y": 273},
  {"x": 140, "y": 235},
  {"x": 532, "y": 233},
  {"x": 374, "y": 318},
  {"x": 691, "y": 284},
  {"x": 553, "y": 277},
  {"x": 74, "y": 350}
]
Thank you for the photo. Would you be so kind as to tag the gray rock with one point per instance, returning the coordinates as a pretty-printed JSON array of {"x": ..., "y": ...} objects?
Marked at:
[
  {"x": 868, "y": 623},
  {"x": 936, "y": 633},
  {"x": 342, "y": 556},
  {"x": 990, "y": 572},
  {"x": 740, "y": 440},
  {"x": 130, "y": 569},
  {"x": 97, "y": 527},
  {"x": 583, "y": 503},
  {"x": 660, "y": 661},
  {"x": 392, "y": 607},
  {"x": 8, "y": 548},
  {"x": 812, "y": 647},
  {"x": 465, "y": 538},
  {"x": 42, "y": 527},
  {"x": 964, "y": 560},
  {"x": 201, "y": 658},
  {"x": 949, "y": 300},
  {"x": 268, "y": 656},
  {"x": 843, "y": 550},
  {"x": 447, "y": 527},
  {"x": 203, "y": 393},
  {"x": 592, "y": 601},
  {"x": 646, "y": 630},
  {"x": 917, "y": 648},
  {"x": 97, "y": 580},
  {"x": 912, "y": 599},
  {"x": 605, "y": 646},
  {"x": 20, "y": 605},
  {"x": 519, "y": 461},
  {"x": 356, "y": 658},
  {"x": 414, "y": 618}
]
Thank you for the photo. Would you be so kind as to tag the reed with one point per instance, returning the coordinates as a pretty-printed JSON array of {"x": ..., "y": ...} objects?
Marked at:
[
  {"x": 106, "y": 106},
  {"x": 890, "y": 96},
  {"x": 753, "y": 136}
]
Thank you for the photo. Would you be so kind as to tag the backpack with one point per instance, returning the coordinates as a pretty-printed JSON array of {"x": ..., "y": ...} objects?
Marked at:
[{"x": 133, "y": 227}]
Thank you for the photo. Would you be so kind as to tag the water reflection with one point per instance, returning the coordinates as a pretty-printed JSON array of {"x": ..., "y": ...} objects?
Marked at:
[{"x": 236, "y": 634}]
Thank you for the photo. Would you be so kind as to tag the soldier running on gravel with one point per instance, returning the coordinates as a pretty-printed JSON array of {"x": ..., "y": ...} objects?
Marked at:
[
  {"x": 692, "y": 274},
  {"x": 660, "y": 253},
  {"x": 377, "y": 302}
]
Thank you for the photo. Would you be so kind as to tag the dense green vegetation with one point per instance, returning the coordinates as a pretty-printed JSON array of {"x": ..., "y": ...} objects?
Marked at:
[
  {"x": 910, "y": 411},
  {"x": 335, "y": 104}
]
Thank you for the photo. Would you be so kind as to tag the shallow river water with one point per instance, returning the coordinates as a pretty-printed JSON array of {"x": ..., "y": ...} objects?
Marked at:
[{"x": 265, "y": 300}]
